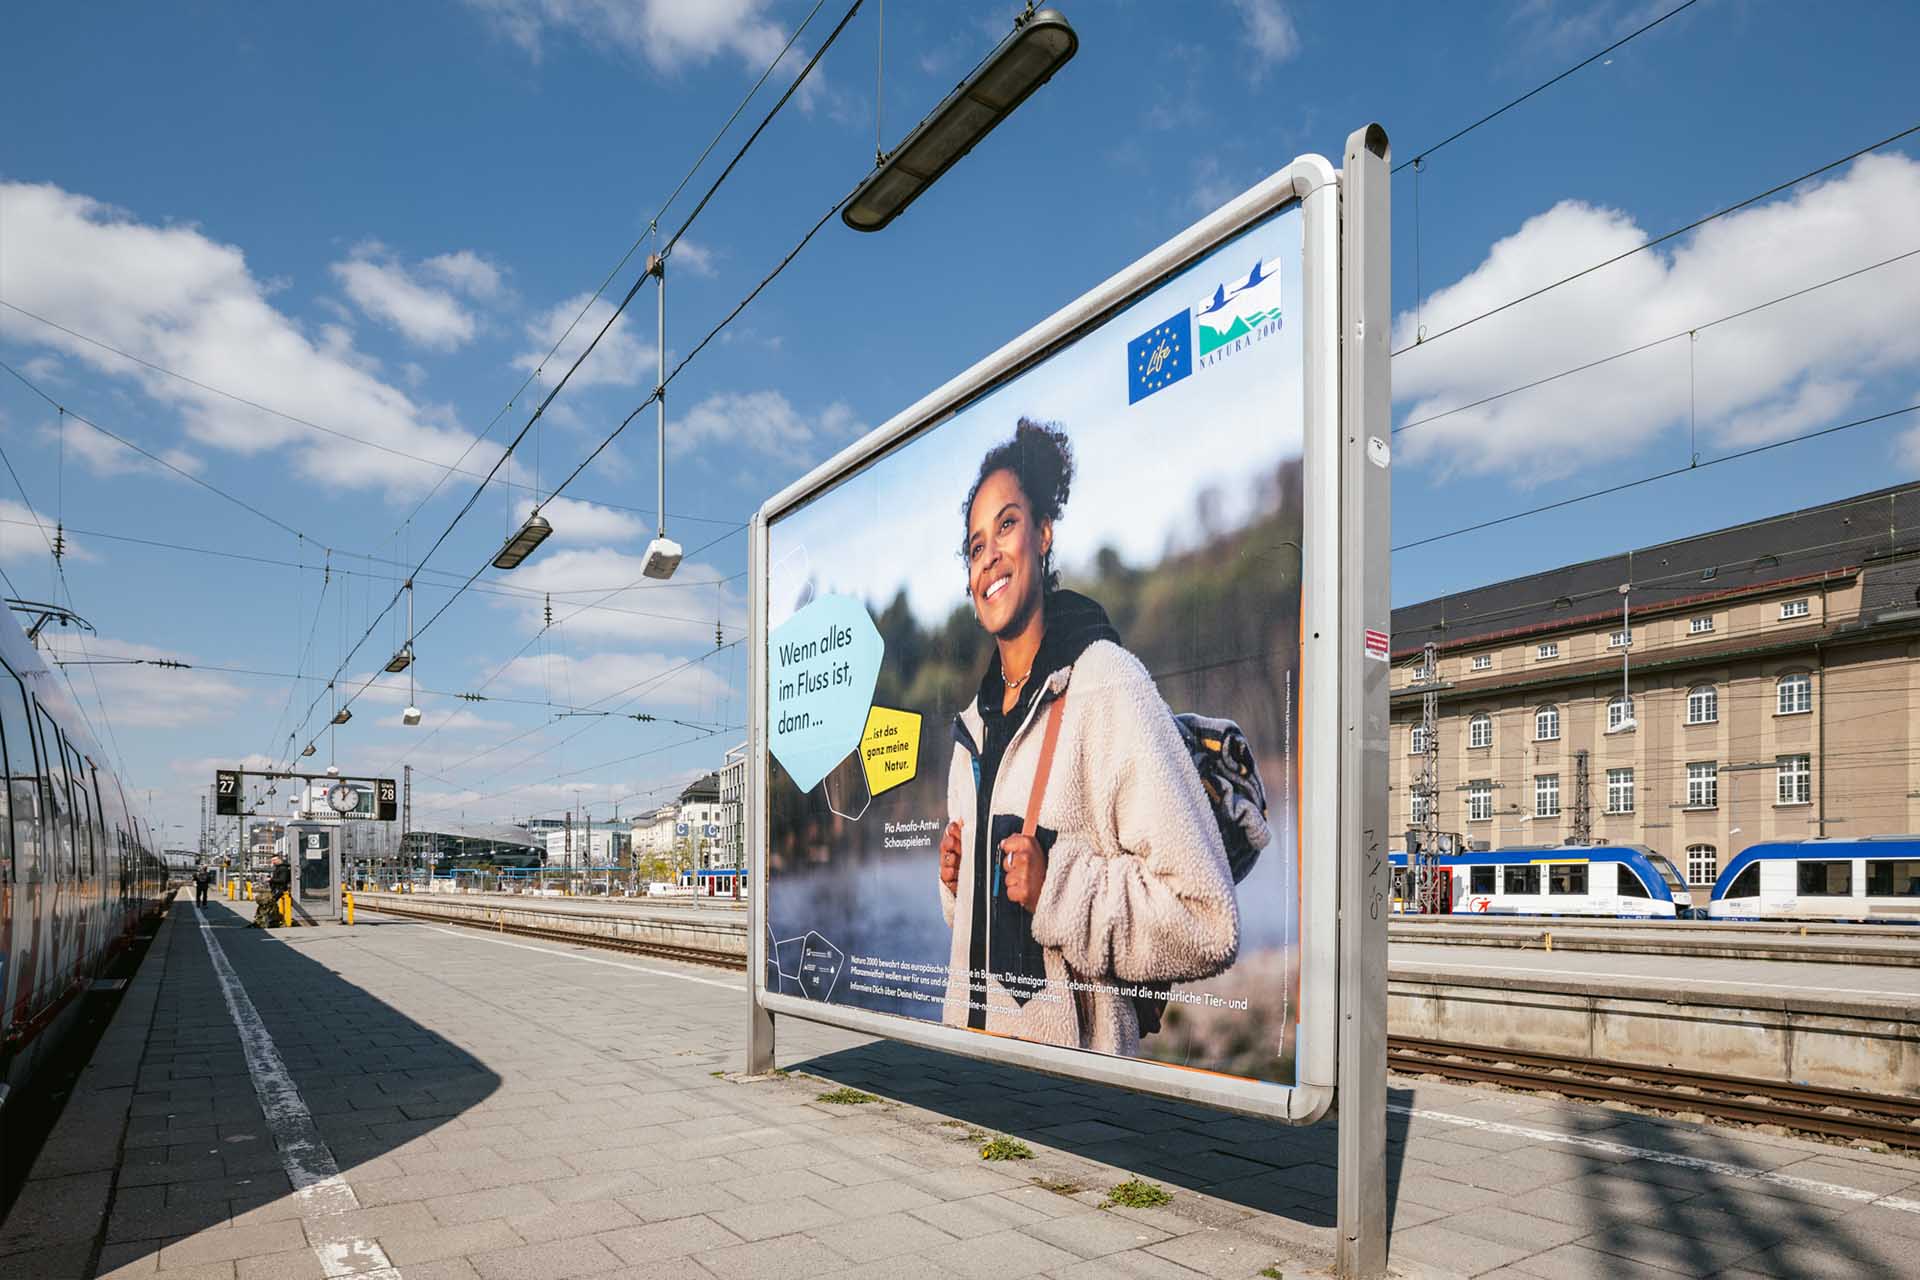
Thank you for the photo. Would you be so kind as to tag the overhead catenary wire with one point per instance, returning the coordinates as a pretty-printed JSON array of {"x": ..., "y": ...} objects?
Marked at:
[
  {"x": 631, "y": 292},
  {"x": 1544, "y": 85},
  {"x": 1658, "y": 240},
  {"x": 1668, "y": 474},
  {"x": 1655, "y": 342}
]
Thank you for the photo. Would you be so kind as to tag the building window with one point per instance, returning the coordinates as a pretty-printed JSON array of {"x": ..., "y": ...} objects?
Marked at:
[
  {"x": 1417, "y": 741},
  {"x": 1546, "y": 724},
  {"x": 1794, "y": 780},
  {"x": 1567, "y": 878},
  {"x": 1703, "y": 864},
  {"x": 1422, "y": 808},
  {"x": 1619, "y": 713},
  {"x": 1551, "y": 649},
  {"x": 1826, "y": 879},
  {"x": 1546, "y": 795},
  {"x": 1794, "y": 609},
  {"x": 1480, "y": 731},
  {"x": 1521, "y": 879},
  {"x": 1700, "y": 626},
  {"x": 1620, "y": 640},
  {"x": 1703, "y": 786},
  {"x": 1480, "y": 800},
  {"x": 1887, "y": 878},
  {"x": 1793, "y": 694},
  {"x": 1483, "y": 662},
  {"x": 1703, "y": 705},
  {"x": 1620, "y": 791}
]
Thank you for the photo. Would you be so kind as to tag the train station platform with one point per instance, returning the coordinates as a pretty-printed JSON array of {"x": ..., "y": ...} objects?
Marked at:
[{"x": 402, "y": 1098}]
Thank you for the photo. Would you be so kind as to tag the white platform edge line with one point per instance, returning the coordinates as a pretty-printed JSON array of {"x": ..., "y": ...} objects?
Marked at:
[
  {"x": 304, "y": 1154},
  {"x": 1745, "y": 1173}
]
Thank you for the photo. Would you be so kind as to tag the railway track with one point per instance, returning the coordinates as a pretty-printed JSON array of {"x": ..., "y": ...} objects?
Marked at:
[
  {"x": 1829, "y": 1113},
  {"x": 659, "y": 950}
]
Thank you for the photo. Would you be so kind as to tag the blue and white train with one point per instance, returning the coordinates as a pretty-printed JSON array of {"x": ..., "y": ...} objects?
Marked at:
[
  {"x": 1870, "y": 878},
  {"x": 1628, "y": 880}
]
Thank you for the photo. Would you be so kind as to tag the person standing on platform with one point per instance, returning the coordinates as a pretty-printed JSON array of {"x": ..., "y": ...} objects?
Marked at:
[{"x": 202, "y": 881}]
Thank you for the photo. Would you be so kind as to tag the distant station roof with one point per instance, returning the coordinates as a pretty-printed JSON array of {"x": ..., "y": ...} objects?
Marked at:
[
  {"x": 1880, "y": 529},
  {"x": 497, "y": 832}
]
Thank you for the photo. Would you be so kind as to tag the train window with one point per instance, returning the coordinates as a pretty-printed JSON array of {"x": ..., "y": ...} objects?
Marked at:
[
  {"x": 1480, "y": 879},
  {"x": 1826, "y": 879},
  {"x": 1630, "y": 886},
  {"x": 85, "y": 816},
  {"x": 1887, "y": 878},
  {"x": 1746, "y": 884},
  {"x": 59, "y": 797},
  {"x": 22, "y": 801},
  {"x": 1522, "y": 880},
  {"x": 1567, "y": 878}
]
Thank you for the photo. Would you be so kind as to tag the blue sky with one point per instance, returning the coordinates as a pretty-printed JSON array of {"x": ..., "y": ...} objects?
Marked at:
[{"x": 376, "y": 219}]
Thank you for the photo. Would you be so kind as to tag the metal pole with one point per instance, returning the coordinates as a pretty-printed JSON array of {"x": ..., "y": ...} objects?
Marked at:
[
  {"x": 660, "y": 390},
  {"x": 759, "y": 1020},
  {"x": 1365, "y": 398}
]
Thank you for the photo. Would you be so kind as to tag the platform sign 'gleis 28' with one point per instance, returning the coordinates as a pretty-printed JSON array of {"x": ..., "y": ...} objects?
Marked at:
[{"x": 1048, "y": 686}]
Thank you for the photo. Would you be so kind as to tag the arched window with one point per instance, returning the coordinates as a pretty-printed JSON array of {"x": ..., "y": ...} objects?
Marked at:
[
  {"x": 1480, "y": 731},
  {"x": 1417, "y": 741},
  {"x": 1793, "y": 694},
  {"x": 1619, "y": 713},
  {"x": 1546, "y": 723},
  {"x": 1703, "y": 704},
  {"x": 1703, "y": 864}
]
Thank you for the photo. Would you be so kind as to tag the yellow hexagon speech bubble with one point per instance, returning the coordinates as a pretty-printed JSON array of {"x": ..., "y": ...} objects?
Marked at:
[{"x": 890, "y": 748}]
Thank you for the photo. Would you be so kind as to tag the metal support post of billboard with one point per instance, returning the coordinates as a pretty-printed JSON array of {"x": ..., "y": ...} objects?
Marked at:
[
  {"x": 759, "y": 1018},
  {"x": 1365, "y": 536}
]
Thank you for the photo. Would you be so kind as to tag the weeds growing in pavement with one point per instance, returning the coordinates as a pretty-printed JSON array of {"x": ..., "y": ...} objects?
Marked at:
[
  {"x": 1135, "y": 1194},
  {"x": 1006, "y": 1149},
  {"x": 1061, "y": 1188},
  {"x": 847, "y": 1097}
]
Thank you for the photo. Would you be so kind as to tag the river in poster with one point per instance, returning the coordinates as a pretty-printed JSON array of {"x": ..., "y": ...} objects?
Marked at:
[{"x": 1144, "y": 899}]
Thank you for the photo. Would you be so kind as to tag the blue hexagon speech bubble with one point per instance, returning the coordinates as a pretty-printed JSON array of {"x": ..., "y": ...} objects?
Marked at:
[{"x": 821, "y": 667}]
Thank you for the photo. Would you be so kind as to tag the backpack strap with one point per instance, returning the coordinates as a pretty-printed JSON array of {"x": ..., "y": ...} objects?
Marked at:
[{"x": 1045, "y": 765}]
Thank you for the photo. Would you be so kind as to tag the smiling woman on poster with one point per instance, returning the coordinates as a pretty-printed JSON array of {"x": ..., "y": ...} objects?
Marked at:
[{"x": 1080, "y": 855}]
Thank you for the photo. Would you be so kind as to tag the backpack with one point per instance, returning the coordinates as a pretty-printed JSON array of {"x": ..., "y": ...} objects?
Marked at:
[{"x": 1223, "y": 758}]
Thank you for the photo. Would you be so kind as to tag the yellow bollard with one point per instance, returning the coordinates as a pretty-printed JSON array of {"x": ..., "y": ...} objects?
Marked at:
[
  {"x": 286, "y": 911},
  {"x": 1549, "y": 938},
  {"x": 229, "y": 888},
  {"x": 246, "y": 890},
  {"x": 349, "y": 899}
]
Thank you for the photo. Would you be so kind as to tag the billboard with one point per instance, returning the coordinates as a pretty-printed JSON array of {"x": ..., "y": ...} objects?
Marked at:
[{"x": 1039, "y": 779}]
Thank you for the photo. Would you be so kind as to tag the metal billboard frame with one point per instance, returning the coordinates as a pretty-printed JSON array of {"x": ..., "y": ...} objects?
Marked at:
[{"x": 1334, "y": 710}]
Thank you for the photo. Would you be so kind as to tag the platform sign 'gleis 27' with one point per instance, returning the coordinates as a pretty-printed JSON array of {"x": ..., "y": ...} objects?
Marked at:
[{"x": 1047, "y": 687}]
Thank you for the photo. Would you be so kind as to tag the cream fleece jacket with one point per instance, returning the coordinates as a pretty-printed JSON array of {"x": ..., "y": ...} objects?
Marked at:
[{"x": 1137, "y": 886}]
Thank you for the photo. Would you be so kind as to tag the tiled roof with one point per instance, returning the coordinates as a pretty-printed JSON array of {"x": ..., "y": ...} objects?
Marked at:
[{"x": 1872, "y": 529}]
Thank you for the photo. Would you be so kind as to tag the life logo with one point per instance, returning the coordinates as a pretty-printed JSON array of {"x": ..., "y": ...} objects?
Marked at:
[{"x": 1238, "y": 313}]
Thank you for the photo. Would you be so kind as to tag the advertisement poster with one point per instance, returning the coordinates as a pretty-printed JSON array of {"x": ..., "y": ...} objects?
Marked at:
[{"x": 1032, "y": 694}]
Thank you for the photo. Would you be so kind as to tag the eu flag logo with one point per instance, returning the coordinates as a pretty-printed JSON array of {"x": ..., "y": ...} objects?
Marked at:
[{"x": 1160, "y": 356}]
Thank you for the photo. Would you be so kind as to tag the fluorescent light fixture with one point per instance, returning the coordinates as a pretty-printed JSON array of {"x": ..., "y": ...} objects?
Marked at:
[
  {"x": 410, "y": 716},
  {"x": 663, "y": 557},
  {"x": 1024, "y": 61},
  {"x": 342, "y": 715},
  {"x": 402, "y": 660},
  {"x": 305, "y": 751},
  {"x": 521, "y": 544},
  {"x": 333, "y": 771}
]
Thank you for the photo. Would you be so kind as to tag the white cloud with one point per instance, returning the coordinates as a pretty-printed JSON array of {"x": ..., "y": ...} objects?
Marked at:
[
  {"x": 763, "y": 421},
  {"x": 171, "y": 295},
  {"x": 466, "y": 271},
  {"x": 621, "y": 360},
  {"x": 25, "y": 534},
  {"x": 144, "y": 697},
  {"x": 1269, "y": 31},
  {"x": 104, "y": 456},
  {"x": 627, "y": 681},
  {"x": 669, "y": 34},
  {"x": 576, "y": 521},
  {"x": 1777, "y": 372},
  {"x": 694, "y": 258},
  {"x": 628, "y": 606},
  {"x": 381, "y": 286}
]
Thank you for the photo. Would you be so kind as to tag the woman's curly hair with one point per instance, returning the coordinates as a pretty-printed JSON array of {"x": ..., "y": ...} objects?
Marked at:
[{"x": 1041, "y": 461}]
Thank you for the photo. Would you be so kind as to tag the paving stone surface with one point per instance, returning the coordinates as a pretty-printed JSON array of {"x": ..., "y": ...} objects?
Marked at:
[{"x": 506, "y": 1110}]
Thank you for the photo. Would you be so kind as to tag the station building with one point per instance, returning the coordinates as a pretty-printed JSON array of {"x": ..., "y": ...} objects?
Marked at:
[{"x": 1752, "y": 684}]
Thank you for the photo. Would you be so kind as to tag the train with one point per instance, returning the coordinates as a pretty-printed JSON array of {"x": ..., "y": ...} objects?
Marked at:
[
  {"x": 1626, "y": 880},
  {"x": 1875, "y": 879},
  {"x": 80, "y": 870}
]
